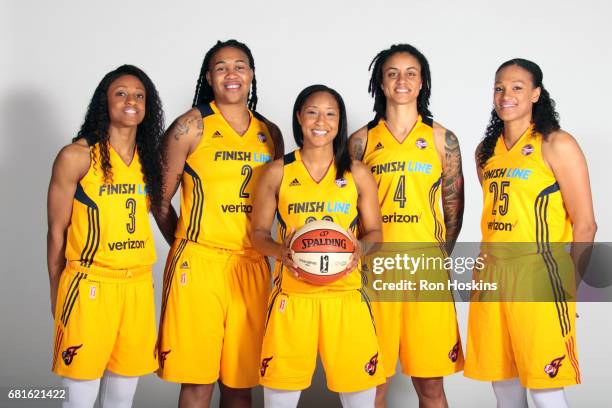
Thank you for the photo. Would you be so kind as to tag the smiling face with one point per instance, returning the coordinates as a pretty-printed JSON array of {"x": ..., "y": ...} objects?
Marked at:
[
  {"x": 230, "y": 76},
  {"x": 514, "y": 93},
  {"x": 126, "y": 101},
  {"x": 319, "y": 118},
  {"x": 401, "y": 78}
]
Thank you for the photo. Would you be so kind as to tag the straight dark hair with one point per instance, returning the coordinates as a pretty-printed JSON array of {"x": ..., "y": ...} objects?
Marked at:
[{"x": 342, "y": 160}]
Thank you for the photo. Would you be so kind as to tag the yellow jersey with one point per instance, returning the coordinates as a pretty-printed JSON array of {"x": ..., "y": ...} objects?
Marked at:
[
  {"x": 218, "y": 181},
  {"x": 109, "y": 226},
  {"x": 301, "y": 200},
  {"x": 521, "y": 197},
  {"x": 409, "y": 176}
]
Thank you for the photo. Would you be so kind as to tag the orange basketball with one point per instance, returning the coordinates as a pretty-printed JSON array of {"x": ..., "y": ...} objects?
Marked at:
[{"x": 322, "y": 250}]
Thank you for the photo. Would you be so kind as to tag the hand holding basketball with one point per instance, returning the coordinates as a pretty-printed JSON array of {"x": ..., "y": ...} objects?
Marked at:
[
  {"x": 355, "y": 256},
  {"x": 287, "y": 253}
]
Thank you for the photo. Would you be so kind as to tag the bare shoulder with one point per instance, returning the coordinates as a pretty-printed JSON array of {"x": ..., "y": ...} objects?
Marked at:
[
  {"x": 443, "y": 134},
  {"x": 73, "y": 160},
  {"x": 75, "y": 154},
  {"x": 189, "y": 125},
  {"x": 560, "y": 139},
  {"x": 272, "y": 174},
  {"x": 360, "y": 172},
  {"x": 357, "y": 143},
  {"x": 559, "y": 144}
]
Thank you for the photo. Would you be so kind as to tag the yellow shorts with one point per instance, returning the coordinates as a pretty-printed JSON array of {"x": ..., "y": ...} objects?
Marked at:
[
  {"x": 212, "y": 319},
  {"x": 424, "y": 335},
  {"x": 337, "y": 324},
  {"x": 534, "y": 341},
  {"x": 104, "y": 319}
]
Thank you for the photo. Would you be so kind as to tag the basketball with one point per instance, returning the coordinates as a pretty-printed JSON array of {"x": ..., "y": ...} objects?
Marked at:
[{"x": 322, "y": 250}]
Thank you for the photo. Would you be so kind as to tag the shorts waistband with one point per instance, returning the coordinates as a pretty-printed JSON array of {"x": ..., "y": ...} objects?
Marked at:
[
  {"x": 100, "y": 272},
  {"x": 248, "y": 254},
  {"x": 321, "y": 294}
]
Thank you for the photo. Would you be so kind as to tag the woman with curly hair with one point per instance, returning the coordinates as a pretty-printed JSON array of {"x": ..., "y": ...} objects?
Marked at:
[
  {"x": 215, "y": 283},
  {"x": 536, "y": 191},
  {"x": 100, "y": 246}
]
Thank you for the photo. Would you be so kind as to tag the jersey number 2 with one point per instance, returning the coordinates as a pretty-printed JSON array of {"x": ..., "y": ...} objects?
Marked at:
[{"x": 246, "y": 171}]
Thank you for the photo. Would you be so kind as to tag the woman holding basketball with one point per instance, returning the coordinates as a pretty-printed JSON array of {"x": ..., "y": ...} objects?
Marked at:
[
  {"x": 532, "y": 344},
  {"x": 317, "y": 182}
]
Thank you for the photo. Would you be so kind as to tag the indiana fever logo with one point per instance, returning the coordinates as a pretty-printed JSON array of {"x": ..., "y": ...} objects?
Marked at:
[
  {"x": 69, "y": 353},
  {"x": 264, "y": 365},
  {"x": 370, "y": 367},
  {"x": 552, "y": 369},
  {"x": 162, "y": 357},
  {"x": 454, "y": 353}
]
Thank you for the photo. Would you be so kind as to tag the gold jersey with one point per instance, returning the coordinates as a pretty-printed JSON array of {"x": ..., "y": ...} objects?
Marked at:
[
  {"x": 408, "y": 175},
  {"x": 109, "y": 226},
  {"x": 302, "y": 200},
  {"x": 218, "y": 181},
  {"x": 521, "y": 197}
]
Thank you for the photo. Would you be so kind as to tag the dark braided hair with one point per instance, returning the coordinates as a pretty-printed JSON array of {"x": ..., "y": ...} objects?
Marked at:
[
  {"x": 543, "y": 115},
  {"x": 375, "y": 85},
  {"x": 148, "y": 134},
  {"x": 204, "y": 92},
  {"x": 342, "y": 160}
]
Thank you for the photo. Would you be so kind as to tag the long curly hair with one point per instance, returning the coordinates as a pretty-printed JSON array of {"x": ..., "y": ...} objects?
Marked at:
[
  {"x": 204, "y": 92},
  {"x": 148, "y": 134},
  {"x": 544, "y": 117},
  {"x": 342, "y": 160},
  {"x": 375, "y": 85}
]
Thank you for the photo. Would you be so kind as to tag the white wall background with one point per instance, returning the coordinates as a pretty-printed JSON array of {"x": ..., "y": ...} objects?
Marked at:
[{"x": 55, "y": 53}]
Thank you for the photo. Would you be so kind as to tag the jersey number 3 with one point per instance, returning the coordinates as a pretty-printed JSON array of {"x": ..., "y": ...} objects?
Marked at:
[{"x": 130, "y": 204}]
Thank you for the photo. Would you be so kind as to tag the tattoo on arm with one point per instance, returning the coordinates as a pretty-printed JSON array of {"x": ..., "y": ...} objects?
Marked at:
[
  {"x": 452, "y": 189},
  {"x": 182, "y": 126},
  {"x": 358, "y": 149}
]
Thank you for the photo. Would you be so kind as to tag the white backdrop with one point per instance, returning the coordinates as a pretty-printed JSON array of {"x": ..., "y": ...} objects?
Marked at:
[{"x": 55, "y": 53}]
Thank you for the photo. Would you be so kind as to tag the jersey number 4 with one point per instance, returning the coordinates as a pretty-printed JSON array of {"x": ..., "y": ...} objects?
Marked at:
[{"x": 400, "y": 192}]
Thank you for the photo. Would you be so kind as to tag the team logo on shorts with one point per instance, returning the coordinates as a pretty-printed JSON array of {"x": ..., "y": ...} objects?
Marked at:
[
  {"x": 454, "y": 353},
  {"x": 92, "y": 292},
  {"x": 421, "y": 143},
  {"x": 370, "y": 367},
  {"x": 162, "y": 357},
  {"x": 527, "y": 150},
  {"x": 552, "y": 369},
  {"x": 262, "y": 138},
  {"x": 341, "y": 182},
  {"x": 69, "y": 353},
  {"x": 183, "y": 278},
  {"x": 282, "y": 305},
  {"x": 264, "y": 365}
]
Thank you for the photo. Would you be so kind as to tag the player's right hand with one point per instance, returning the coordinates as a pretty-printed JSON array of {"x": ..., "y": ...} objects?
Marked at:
[{"x": 287, "y": 254}]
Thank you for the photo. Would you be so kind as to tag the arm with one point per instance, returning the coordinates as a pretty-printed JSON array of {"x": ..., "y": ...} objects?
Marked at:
[
  {"x": 370, "y": 216},
  {"x": 277, "y": 139},
  {"x": 569, "y": 166},
  {"x": 264, "y": 208},
  {"x": 357, "y": 143},
  {"x": 179, "y": 141},
  {"x": 69, "y": 167},
  {"x": 478, "y": 168},
  {"x": 452, "y": 183}
]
